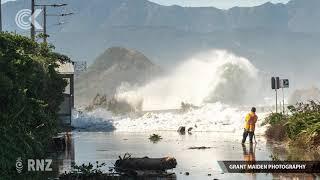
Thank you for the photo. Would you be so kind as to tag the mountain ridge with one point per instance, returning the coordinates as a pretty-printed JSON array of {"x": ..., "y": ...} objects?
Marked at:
[
  {"x": 111, "y": 69},
  {"x": 274, "y": 37}
]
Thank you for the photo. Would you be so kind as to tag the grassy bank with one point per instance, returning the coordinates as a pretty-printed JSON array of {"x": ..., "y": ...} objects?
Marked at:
[
  {"x": 300, "y": 127},
  {"x": 30, "y": 95}
]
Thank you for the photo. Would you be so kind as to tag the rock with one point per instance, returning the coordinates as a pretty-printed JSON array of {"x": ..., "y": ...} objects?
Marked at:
[
  {"x": 182, "y": 130},
  {"x": 209, "y": 174},
  {"x": 187, "y": 173}
]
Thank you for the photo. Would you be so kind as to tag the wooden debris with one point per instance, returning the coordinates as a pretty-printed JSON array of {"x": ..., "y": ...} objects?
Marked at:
[
  {"x": 128, "y": 164},
  {"x": 200, "y": 147}
]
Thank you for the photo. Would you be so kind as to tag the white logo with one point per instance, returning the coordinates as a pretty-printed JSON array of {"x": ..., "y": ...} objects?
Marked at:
[
  {"x": 19, "y": 165},
  {"x": 34, "y": 165},
  {"x": 39, "y": 165},
  {"x": 24, "y": 19}
]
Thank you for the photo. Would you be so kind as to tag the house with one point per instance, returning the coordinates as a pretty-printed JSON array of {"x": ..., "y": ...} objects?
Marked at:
[{"x": 65, "y": 114}]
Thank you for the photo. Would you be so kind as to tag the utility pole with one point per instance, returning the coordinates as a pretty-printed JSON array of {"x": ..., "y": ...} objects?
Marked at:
[
  {"x": 0, "y": 17},
  {"x": 275, "y": 84},
  {"x": 282, "y": 100},
  {"x": 45, "y": 24},
  {"x": 45, "y": 15},
  {"x": 276, "y": 101},
  {"x": 33, "y": 32}
]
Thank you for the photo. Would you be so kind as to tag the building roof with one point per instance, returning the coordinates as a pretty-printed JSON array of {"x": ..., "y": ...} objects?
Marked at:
[{"x": 65, "y": 68}]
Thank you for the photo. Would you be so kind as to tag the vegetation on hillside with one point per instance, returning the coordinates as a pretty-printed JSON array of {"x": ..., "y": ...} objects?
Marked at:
[
  {"x": 30, "y": 95},
  {"x": 113, "y": 104},
  {"x": 301, "y": 126}
]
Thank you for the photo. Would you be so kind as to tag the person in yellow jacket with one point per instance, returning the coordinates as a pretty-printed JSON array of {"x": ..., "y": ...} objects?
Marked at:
[{"x": 249, "y": 125}]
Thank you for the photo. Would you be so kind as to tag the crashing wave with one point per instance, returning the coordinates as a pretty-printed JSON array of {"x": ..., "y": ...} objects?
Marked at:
[
  {"x": 218, "y": 83},
  {"x": 96, "y": 120},
  {"x": 217, "y": 76},
  {"x": 214, "y": 117}
]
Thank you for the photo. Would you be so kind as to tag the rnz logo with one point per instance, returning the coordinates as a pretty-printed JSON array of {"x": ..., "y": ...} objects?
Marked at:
[
  {"x": 19, "y": 165},
  {"x": 39, "y": 165},
  {"x": 35, "y": 165}
]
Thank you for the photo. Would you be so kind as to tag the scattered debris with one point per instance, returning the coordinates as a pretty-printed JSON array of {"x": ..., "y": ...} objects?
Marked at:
[
  {"x": 139, "y": 166},
  {"x": 200, "y": 147},
  {"x": 155, "y": 138},
  {"x": 182, "y": 130},
  {"x": 124, "y": 167}
]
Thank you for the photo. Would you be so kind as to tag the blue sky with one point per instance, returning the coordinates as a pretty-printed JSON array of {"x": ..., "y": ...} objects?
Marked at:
[{"x": 223, "y": 4}]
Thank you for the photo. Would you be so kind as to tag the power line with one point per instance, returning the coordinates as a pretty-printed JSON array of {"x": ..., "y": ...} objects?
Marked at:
[{"x": 45, "y": 15}]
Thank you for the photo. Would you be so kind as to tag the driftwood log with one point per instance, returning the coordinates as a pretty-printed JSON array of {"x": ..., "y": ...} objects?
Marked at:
[{"x": 132, "y": 164}]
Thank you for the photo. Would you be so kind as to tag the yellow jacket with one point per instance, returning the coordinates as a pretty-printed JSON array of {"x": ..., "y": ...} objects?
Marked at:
[{"x": 250, "y": 121}]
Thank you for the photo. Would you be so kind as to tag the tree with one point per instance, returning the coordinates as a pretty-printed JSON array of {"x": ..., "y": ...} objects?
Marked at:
[{"x": 30, "y": 95}]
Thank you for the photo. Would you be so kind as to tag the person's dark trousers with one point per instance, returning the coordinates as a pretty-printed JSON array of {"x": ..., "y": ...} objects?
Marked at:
[{"x": 245, "y": 134}]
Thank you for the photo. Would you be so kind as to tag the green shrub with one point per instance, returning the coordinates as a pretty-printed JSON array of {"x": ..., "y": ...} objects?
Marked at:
[
  {"x": 275, "y": 118},
  {"x": 301, "y": 125},
  {"x": 30, "y": 95},
  {"x": 304, "y": 119}
]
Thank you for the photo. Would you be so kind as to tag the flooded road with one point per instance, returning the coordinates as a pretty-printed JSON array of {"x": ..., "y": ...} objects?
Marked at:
[{"x": 199, "y": 163}]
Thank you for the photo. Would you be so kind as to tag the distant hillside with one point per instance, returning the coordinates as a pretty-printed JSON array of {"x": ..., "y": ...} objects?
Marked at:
[
  {"x": 296, "y": 16},
  {"x": 305, "y": 95},
  {"x": 112, "y": 68},
  {"x": 277, "y": 38}
]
